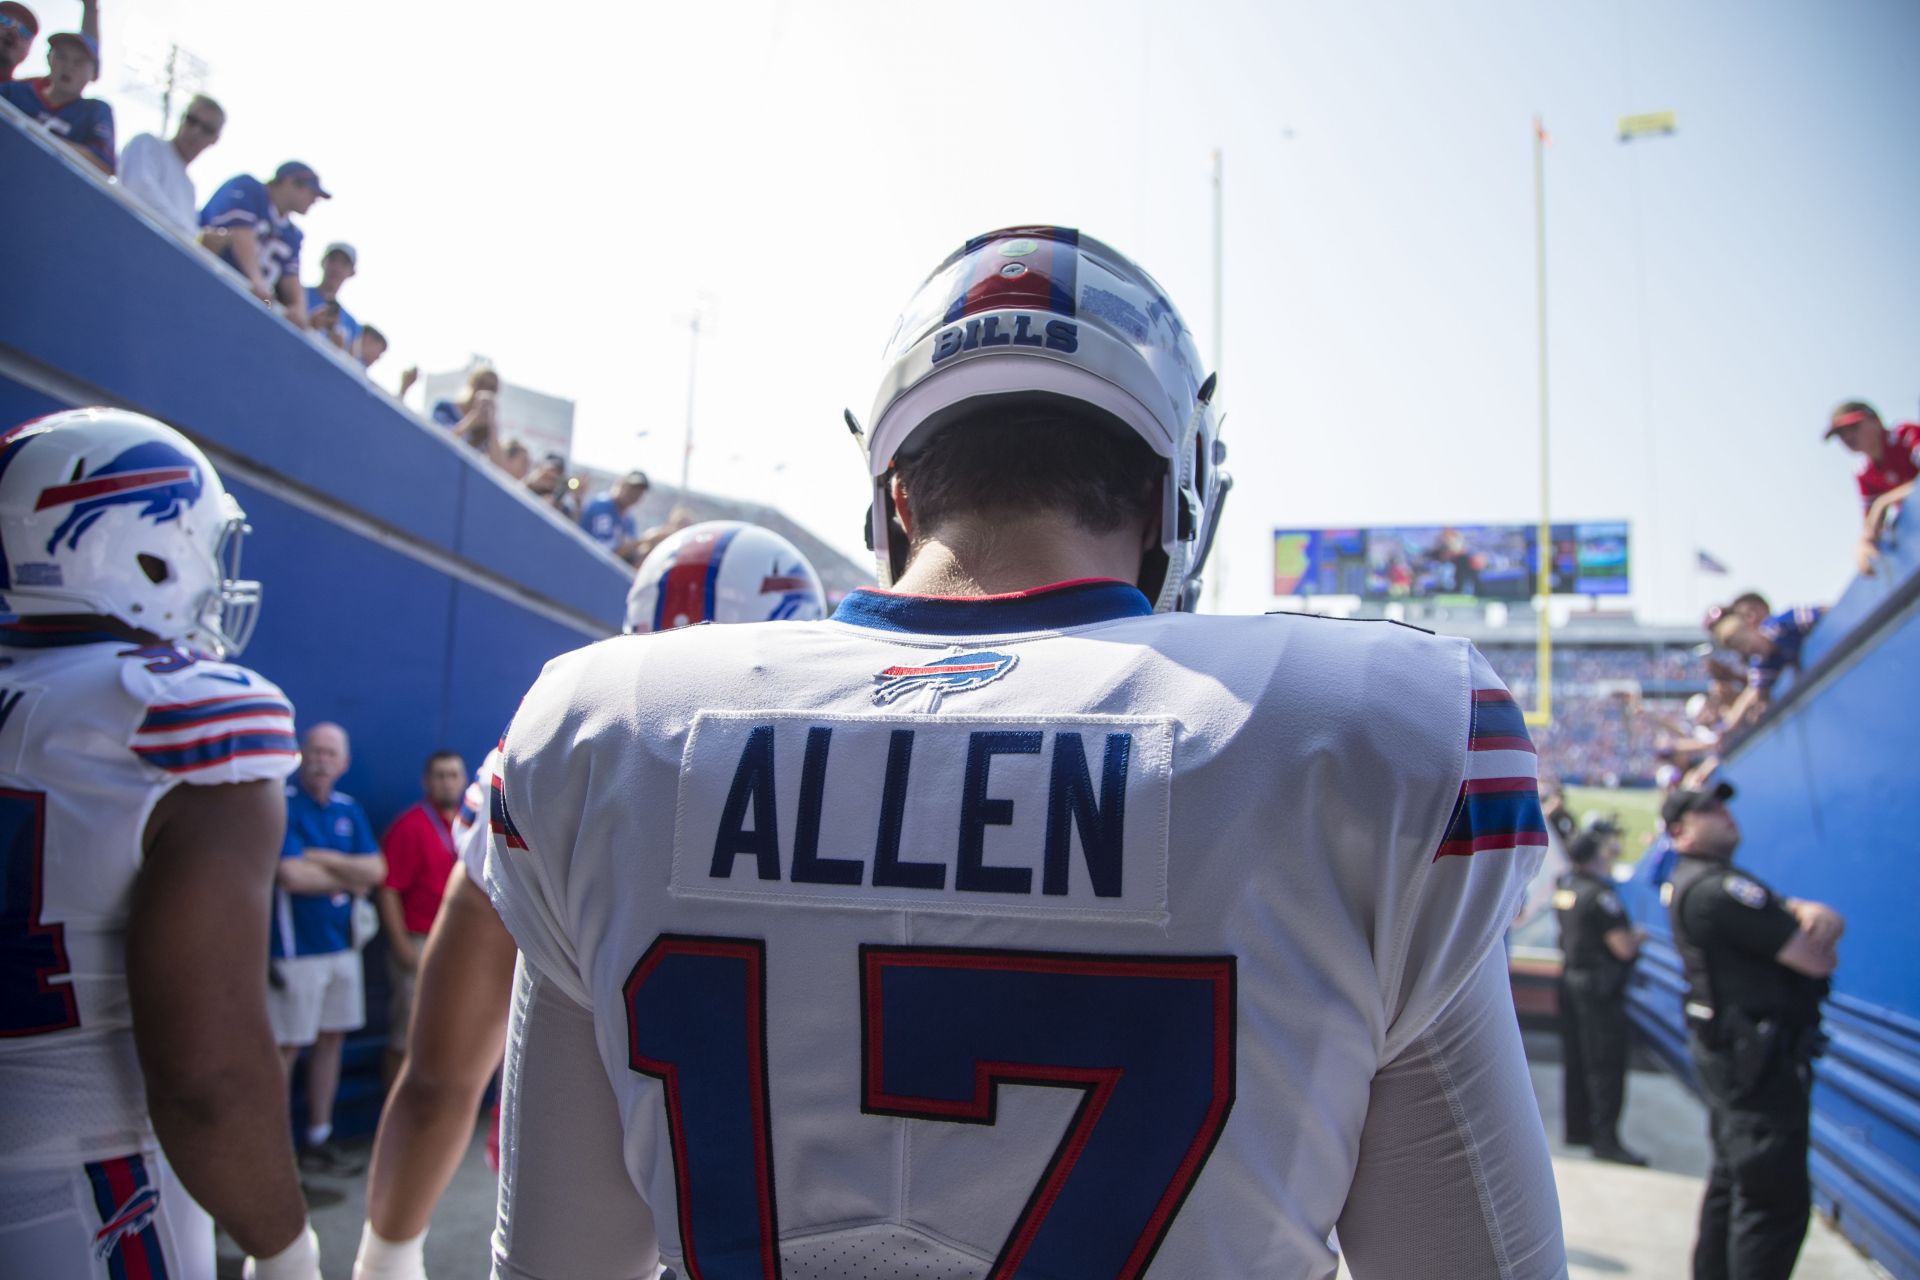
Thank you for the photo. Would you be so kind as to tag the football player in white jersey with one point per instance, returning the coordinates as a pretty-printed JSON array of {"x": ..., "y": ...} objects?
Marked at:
[
  {"x": 1014, "y": 923},
  {"x": 718, "y": 571},
  {"x": 140, "y": 823}
]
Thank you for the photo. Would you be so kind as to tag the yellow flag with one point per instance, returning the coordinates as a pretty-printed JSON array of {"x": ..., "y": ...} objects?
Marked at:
[{"x": 1648, "y": 124}]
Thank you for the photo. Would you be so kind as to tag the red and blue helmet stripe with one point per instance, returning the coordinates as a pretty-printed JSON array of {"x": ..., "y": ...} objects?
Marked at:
[{"x": 1016, "y": 277}]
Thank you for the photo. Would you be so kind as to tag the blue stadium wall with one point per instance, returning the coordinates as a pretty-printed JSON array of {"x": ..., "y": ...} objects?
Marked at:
[
  {"x": 410, "y": 594},
  {"x": 1829, "y": 804}
]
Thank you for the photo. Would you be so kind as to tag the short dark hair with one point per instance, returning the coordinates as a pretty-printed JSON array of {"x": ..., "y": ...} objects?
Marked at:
[
  {"x": 368, "y": 331},
  {"x": 444, "y": 754},
  {"x": 1036, "y": 455},
  {"x": 1585, "y": 847},
  {"x": 1750, "y": 597}
]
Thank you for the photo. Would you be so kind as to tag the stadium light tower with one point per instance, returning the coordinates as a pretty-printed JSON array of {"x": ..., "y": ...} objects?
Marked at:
[{"x": 1541, "y": 713}]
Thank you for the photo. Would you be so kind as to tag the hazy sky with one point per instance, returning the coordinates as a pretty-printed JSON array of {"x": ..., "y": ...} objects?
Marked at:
[{"x": 559, "y": 195}]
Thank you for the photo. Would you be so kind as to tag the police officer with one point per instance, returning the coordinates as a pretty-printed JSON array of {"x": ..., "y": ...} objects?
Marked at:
[
  {"x": 1599, "y": 945},
  {"x": 1756, "y": 967}
]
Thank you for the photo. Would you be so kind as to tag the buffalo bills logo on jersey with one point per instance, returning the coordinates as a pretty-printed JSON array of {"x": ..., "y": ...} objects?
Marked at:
[
  {"x": 163, "y": 480},
  {"x": 129, "y": 1219},
  {"x": 961, "y": 672}
]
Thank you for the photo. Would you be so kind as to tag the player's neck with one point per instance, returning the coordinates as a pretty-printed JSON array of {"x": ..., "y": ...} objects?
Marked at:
[{"x": 988, "y": 557}]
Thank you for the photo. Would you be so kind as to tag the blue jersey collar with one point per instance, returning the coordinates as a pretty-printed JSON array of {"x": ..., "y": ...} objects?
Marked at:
[
  {"x": 1055, "y": 607},
  {"x": 26, "y": 635}
]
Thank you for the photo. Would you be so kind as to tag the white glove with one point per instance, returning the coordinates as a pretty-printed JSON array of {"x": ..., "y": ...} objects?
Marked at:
[
  {"x": 383, "y": 1259},
  {"x": 298, "y": 1261}
]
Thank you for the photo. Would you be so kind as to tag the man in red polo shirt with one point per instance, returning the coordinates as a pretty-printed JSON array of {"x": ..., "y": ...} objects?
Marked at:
[
  {"x": 419, "y": 851},
  {"x": 1889, "y": 462}
]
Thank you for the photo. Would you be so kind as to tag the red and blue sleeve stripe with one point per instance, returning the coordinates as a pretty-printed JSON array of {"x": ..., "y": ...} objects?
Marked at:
[
  {"x": 204, "y": 753},
  {"x": 500, "y": 821},
  {"x": 1498, "y": 806},
  {"x": 192, "y": 715}
]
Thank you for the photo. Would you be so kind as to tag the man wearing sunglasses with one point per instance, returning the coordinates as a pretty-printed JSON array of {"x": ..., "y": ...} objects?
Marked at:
[
  {"x": 261, "y": 242},
  {"x": 58, "y": 103},
  {"x": 154, "y": 171},
  {"x": 18, "y": 27},
  {"x": 1757, "y": 966}
]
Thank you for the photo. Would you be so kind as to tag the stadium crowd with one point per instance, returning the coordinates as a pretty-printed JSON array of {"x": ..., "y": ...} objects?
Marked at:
[
  {"x": 1629, "y": 715},
  {"x": 250, "y": 224}
]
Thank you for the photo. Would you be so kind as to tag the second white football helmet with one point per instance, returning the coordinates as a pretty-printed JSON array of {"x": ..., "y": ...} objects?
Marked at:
[
  {"x": 110, "y": 513},
  {"x": 723, "y": 571}
]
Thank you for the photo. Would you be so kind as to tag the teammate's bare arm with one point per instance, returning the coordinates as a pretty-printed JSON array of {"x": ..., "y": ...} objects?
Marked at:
[
  {"x": 459, "y": 1025},
  {"x": 1453, "y": 1177},
  {"x": 573, "y": 1209},
  {"x": 196, "y": 976}
]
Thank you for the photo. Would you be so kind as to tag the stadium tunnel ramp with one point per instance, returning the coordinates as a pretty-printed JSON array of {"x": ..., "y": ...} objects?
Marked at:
[{"x": 1829, "y": 808}]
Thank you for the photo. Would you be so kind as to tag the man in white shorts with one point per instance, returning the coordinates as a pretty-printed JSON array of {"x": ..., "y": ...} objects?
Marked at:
[{"x": 330, "y": 857}]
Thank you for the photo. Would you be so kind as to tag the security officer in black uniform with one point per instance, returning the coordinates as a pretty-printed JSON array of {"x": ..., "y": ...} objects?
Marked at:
[
  {"x": 1599, "y": 945},
  {"x": 1756, "y": 967}
]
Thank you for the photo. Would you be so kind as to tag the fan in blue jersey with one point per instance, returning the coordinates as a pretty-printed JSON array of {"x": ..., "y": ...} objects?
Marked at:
[
  {"x": 1014, "y": 921},
  {"x": 1770, "y": 643},
  {"x": 56, "y": 101},
  {"x": 250, "y": 224},
  {"x": 140, "y": 824}
]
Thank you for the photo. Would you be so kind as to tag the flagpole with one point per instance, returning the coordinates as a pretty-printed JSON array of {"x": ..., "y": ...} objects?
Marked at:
[{"x": 1542, "y": 713}]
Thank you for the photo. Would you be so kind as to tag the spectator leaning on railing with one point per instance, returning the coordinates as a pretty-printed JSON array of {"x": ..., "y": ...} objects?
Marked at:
[
  {"x": 475, "y": 417},
  {"x": 1889, "y": 463},
  {"x": 1770, "y": 645},
  {"x": 18, "y": 27},
  {"x": 55, "y": 100},
  {"x": 339, "y": 264},
  {"x": 154, "y": 171},
  {"x": 253, "y": 231},
  {"x": 609, "y": 518}
]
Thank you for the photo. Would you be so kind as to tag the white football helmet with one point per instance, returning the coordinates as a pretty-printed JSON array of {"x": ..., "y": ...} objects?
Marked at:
[
  {"x": 1047, "y": 311},
  {"x": 723, "y": 571},
  {"x": 110, "y": 513}
]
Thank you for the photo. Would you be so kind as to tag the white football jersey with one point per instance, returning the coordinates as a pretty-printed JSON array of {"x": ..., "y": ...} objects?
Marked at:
[
  {"x": 1035, "y": 935},
  {"x": 91, "y": 736}
]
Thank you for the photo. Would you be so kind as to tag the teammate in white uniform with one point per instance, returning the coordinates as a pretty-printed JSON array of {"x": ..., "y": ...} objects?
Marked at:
[
  {"x": 140, "y": 823},
  {"x": 719, "y": 571},
  {"x": 1012, "y": 922}
]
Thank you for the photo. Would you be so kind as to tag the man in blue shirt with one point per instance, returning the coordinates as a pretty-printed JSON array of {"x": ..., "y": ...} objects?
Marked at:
[
  {"x": 338, "y": 265},
  {"x": 249, "y": 223},
  {"x": 1770, "y": 644},
  {"x": 609, "y": 518},
  {"x": 330, "y": 857},
  {"x": 55, "y": 101}
]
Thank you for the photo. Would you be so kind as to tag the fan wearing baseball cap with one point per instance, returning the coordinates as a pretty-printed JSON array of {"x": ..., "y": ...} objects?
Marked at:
[
  {"x": 56, "y": 100},
  {"x": 1756, "y": 967},
  {"x": 1889, "y": 464},
  {"x": 249, "y": 223},
  {"x": 18, "y": 27}
]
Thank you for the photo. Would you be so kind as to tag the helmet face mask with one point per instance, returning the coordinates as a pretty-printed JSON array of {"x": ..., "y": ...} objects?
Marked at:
[
  {"x": 1047, "y": 311},
  {"x": 112, "y": 514},
  {"x": 723, "y": 571}
]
